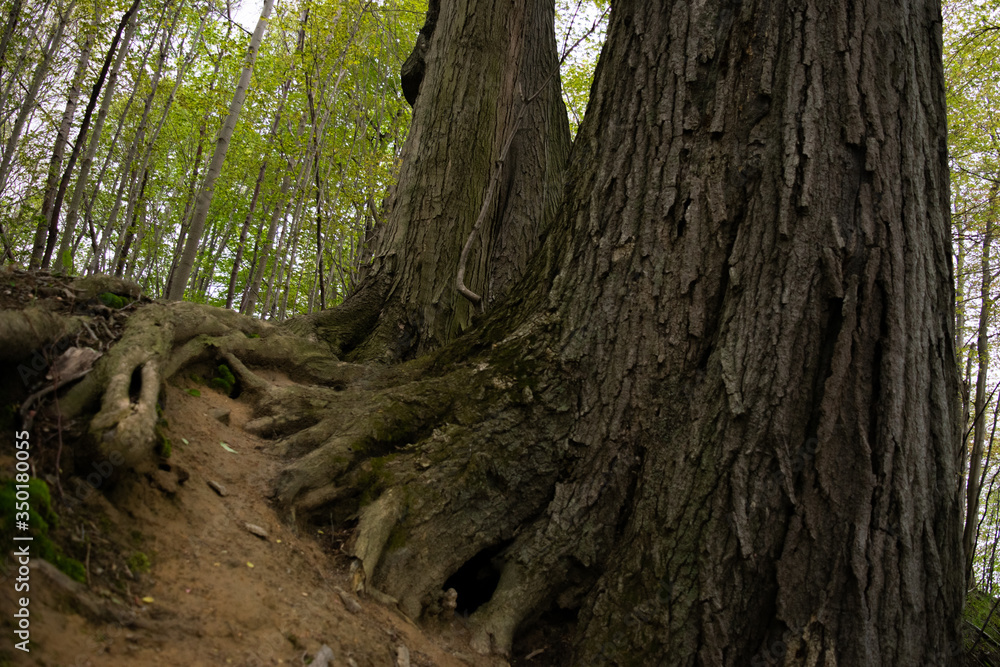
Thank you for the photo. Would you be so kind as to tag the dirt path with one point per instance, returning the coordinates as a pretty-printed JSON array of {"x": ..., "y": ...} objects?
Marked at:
[{"x": 177, "y": 578}]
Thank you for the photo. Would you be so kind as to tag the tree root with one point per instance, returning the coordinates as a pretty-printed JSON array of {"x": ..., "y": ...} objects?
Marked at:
[{"x": 438, "y": 463}]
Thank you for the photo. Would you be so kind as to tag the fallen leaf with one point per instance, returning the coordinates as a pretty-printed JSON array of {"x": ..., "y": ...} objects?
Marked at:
[
  {"x": 148, "y": 600},
  {"x": 228, "y": 448},
  {"x": 249, "y": 564}
]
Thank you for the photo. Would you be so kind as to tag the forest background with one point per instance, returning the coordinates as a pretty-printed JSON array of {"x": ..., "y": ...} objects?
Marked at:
[{"x": 115, "y": 158}]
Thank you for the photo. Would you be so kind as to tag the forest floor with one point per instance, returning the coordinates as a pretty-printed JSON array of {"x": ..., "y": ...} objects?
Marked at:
[
  {"x": 191, "y": 564},
  {"x": 195, "y": 586}
]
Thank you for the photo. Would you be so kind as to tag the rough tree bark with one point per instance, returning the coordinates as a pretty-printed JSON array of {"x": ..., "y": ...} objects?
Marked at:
[
  {"x": 737, "y": 422},
  {"x": 717, "y": 420},
  {"x": 480, "y": 69}
]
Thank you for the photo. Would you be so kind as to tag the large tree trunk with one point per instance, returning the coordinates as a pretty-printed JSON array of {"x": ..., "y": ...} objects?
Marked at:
[
  {"x": 730, "y": 424},
  {"x": 717, "y": 420},
  {"x": 481, "y": 68}
]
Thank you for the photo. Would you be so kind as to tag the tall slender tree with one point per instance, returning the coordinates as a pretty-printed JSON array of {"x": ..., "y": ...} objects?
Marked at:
[
  {"x": 178, "y": 282},
  {"x": 82, "y": 133}
]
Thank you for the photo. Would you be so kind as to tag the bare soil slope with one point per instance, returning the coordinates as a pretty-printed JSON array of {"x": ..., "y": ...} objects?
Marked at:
[{"x": 177, "y": 577}]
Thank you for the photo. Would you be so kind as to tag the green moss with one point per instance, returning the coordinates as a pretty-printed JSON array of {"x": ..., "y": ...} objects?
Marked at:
[
  {"x": 194, "y": 392},
  {"x": 71, "y": 567},
  {"x": 224, "y": 379},
  {"x": 163, "y": 447},
  {"x": 112, "y": 300},
  {"x": 252, "y": 335},
  {"x": 374, "y": 479},
  {"x": 978, "y": 606},
  {"x": 138, "y": 563},
  {"x": 42, "y": 519},
  {"x": 397, "y": 538}
]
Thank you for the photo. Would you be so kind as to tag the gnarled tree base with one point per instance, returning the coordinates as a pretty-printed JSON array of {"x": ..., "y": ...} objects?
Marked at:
[{"x": 437, "y": 462}]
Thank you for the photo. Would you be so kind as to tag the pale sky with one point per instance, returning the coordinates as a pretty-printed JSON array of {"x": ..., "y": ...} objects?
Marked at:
[{"x": 247, "y": 12}]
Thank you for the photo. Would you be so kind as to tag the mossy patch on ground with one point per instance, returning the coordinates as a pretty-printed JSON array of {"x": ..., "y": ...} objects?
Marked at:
[
  {"x": 112, "y": 300},
  {"x": 224, "y": 380},
  {"x": 35, "y": 501}
]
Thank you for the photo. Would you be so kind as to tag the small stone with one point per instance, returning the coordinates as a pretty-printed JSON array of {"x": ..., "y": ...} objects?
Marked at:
[
  {"x": 351, "y": 662},
  {"x": 351, "y": 603},
  {"x": 449, "y": 601},
  {"x": 323, "y": 657},
  {"x": 256, "y": 530},
  {"x": 402, "y": 656},
  {"x": 164, "y": 481},
  {"x": 220, "y": 415},
  {"x": 218, "y": 488}
]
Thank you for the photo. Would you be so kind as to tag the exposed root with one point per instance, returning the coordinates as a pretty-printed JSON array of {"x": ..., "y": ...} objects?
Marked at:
[
  {"x": 162, "y": 339},
  {"x": 126, "y": 427},
  {"x": 376, "y": 522},
  {"x": 390, "y": 448}
]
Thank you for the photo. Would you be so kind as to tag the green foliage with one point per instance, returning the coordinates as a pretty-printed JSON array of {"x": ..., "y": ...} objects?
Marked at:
[
  {"x": 971, "y": 57},
  {"x": 982, "y": 616},
  {"x": 194, "y": 392},
  {"x": 324, "y": 96},
  {"x": 580, "y": 33}
]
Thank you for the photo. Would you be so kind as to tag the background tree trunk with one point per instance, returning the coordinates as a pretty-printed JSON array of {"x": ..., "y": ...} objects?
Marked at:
[
  {"x": 28, "y": 99},
  {"x": 59, "y": 148},
  {"x": 81, "y": 136},
  {"x": 979, "y": 405},
  {"x": 94, "y": 139},
  {"x": 178, "y": 282}
]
